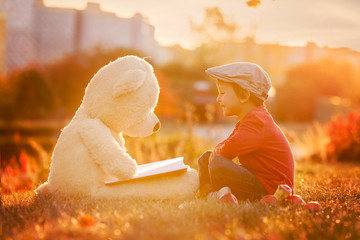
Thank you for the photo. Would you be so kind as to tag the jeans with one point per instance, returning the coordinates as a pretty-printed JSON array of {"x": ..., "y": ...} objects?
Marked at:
[{"x": 223, "y": 172}]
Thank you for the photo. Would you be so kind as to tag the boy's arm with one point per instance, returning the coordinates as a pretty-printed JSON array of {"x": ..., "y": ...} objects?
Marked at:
[
  {"x": 105, "y": 150},
  {"x": 246, "y": 140}
]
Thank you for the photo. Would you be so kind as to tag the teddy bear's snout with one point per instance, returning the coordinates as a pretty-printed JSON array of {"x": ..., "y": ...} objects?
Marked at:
[{"x": 157, "y": 127}]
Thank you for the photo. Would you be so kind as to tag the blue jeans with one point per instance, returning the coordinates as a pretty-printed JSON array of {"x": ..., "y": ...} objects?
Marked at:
[{"x": 223, "y": 172}]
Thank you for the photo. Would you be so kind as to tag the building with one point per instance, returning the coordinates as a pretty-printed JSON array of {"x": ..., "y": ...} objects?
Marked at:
[
  {"x": 37, "y": 33},
  {"x": 2, "y": 42}
]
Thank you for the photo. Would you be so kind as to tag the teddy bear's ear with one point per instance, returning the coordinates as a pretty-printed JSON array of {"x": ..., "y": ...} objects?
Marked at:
[{"x": 131, "y": 80}]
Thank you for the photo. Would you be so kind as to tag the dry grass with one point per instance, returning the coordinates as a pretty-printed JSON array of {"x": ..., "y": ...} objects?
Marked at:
[{"x": 336, "y": 187}]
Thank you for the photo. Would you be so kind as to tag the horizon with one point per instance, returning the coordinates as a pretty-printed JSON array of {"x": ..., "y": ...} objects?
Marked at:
[{"x": 337, "y": 27}]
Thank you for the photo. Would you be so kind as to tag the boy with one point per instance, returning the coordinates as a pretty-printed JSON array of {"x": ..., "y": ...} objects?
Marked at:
[{"x": 261, "y": 147}]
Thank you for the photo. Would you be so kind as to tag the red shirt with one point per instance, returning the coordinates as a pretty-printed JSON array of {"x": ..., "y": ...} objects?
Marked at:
[{"x": 262, "y": 148}]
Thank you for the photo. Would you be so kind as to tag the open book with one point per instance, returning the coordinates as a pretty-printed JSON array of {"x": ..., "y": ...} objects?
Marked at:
[{"x": 160, "y": 168}]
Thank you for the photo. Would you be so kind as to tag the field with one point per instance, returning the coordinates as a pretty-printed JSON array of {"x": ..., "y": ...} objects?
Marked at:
[{"x": 335, "y": 186}]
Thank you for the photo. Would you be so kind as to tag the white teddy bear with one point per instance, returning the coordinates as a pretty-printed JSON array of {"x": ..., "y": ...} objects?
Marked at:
[{"x": 121, "y": 97}]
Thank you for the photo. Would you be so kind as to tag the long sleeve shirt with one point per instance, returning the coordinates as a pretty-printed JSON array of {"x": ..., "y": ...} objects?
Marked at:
[{"x": 262, "y": 148}]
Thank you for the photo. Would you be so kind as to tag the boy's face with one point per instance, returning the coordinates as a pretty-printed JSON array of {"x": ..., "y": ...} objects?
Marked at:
[{"x": 228, "y": 99}]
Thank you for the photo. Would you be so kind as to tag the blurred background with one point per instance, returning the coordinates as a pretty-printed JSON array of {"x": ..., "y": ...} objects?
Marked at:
[{"x": 50, "y": 49}]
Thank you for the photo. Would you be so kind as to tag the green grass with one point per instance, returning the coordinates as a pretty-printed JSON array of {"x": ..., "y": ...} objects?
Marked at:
[{"x": 336, "y": 187}]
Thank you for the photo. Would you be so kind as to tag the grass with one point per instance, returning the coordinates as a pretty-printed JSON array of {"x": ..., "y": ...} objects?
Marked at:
[{"x": 335, "y": 186}]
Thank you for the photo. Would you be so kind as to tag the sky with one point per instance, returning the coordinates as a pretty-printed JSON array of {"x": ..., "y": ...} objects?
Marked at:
[{"x": 332, "y": 23}]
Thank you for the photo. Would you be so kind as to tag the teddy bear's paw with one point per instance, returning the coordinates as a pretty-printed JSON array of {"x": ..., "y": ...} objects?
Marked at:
[
  {"x": 123, "y": 171},
  {"x": 43, "y": 189}
]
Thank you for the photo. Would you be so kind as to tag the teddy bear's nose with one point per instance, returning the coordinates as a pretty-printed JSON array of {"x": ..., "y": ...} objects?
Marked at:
[{"x": 157, "y": 127}]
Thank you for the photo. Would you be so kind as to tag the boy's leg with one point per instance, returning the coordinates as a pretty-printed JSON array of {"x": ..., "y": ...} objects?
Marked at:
[
  {"x": 243, "y": 184},
  {"x": 204, "y": 177},
  {"x": 203, "y": 166}
]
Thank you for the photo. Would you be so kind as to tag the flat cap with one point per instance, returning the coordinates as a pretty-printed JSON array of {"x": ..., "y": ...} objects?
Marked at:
[{"x": 247, "y": 75}]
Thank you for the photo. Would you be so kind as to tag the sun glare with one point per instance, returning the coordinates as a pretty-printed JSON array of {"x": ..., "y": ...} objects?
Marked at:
[{"x": 79, "y": 4}]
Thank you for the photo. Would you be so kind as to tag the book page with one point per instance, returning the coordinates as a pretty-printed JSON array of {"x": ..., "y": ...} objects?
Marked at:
[
  {"x": 160, "y": 167},
  {"x": 169, "y": 166}
]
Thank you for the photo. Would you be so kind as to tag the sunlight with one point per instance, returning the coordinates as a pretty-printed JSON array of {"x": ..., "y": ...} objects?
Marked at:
[
  {"x": 307, "y": 19},
  {"x": 79, "y": 4},
  {"x": 85, "y": 84},
  {"x": 272, "y": 92}
]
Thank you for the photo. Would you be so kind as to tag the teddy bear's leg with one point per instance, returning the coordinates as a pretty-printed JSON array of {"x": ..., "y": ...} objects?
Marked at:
[
  {"x": 43, "y": 188},
  {"x": 182, "y": 186}
]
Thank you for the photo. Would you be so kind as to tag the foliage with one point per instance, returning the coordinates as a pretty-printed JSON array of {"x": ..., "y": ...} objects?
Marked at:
[
  {"x": 182, "y": 77},
  {"x": 69, "y": 76},
  {"x": 344, "y": 133},
  {"x": 214, "y": 28},
  {"x": 213, "y": 32},
  {"x": 168, "y": 105},
  {"x": 24, "y": 164},
  {"x": 309, "y": 144},
  {"x": 6, "y": 98},
  {"x": 29, "y": 95},
  {"x": 335, "y": 187},
  {"x": 253, "y": 3},
  {"x": 56, "y": 89},
  {"x": 305, "y": 83}
]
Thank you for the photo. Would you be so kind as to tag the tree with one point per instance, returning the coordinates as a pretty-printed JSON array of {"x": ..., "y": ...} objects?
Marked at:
[
  {"x": 215, "y": 33},
  {"x": 69, "y": 77},
  {"x": 41, "y": 91},
  {"x": 214, "y": 28},
  {"x": 168, "y": 105},
  {"x": 32, "y": 97},
  {"x": 305, "y": 83},
  {"x": 254, "y": 3}
]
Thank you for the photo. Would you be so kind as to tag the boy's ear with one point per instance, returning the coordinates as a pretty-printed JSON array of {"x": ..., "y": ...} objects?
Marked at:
[
  {"x": 131, "y": 80},
  {"x": 245, "y": 96}
]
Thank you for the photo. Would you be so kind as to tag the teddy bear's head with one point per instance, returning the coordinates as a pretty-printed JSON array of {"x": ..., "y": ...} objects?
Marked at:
[{"x": 123, "y": 95}]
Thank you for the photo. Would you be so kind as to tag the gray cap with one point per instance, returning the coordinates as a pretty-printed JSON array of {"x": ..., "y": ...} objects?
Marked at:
[{"x": 249, "y": 76}]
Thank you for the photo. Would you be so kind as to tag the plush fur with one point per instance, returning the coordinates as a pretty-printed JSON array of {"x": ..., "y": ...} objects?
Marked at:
[{"x": 121, "y": 97}]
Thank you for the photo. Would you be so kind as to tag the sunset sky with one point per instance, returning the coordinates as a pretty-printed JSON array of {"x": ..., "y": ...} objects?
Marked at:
[{"x": 334, "y": 23}]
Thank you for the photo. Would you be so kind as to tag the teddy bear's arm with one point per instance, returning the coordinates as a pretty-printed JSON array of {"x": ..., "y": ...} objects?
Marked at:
[{"x": 105, "y": 150}]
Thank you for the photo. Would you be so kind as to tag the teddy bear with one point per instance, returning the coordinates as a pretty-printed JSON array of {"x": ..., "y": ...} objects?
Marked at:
[{"x": 120, "y": 98}]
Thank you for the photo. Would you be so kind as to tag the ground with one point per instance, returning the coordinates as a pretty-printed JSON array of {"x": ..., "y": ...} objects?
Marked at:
[{"x": 335, "y": 186}]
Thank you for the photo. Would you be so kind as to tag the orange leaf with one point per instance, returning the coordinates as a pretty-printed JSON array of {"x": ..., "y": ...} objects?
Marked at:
[{"x": 86, "y": 221}]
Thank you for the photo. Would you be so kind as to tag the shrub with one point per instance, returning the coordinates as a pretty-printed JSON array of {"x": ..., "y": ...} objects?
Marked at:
[
  {"x": 344, "y": 133},
  {"x": 24, "y": 165}
]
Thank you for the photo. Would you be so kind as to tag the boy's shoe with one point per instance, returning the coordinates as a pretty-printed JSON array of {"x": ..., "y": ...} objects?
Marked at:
[
  {"x": 229, "y": 198},
  {"x": 223, "y": 195},
  {"x": 217, "y": 194}
]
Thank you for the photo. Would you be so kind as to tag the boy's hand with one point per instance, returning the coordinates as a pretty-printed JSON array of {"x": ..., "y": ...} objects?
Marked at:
[{"x": 212, "y": 155}]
